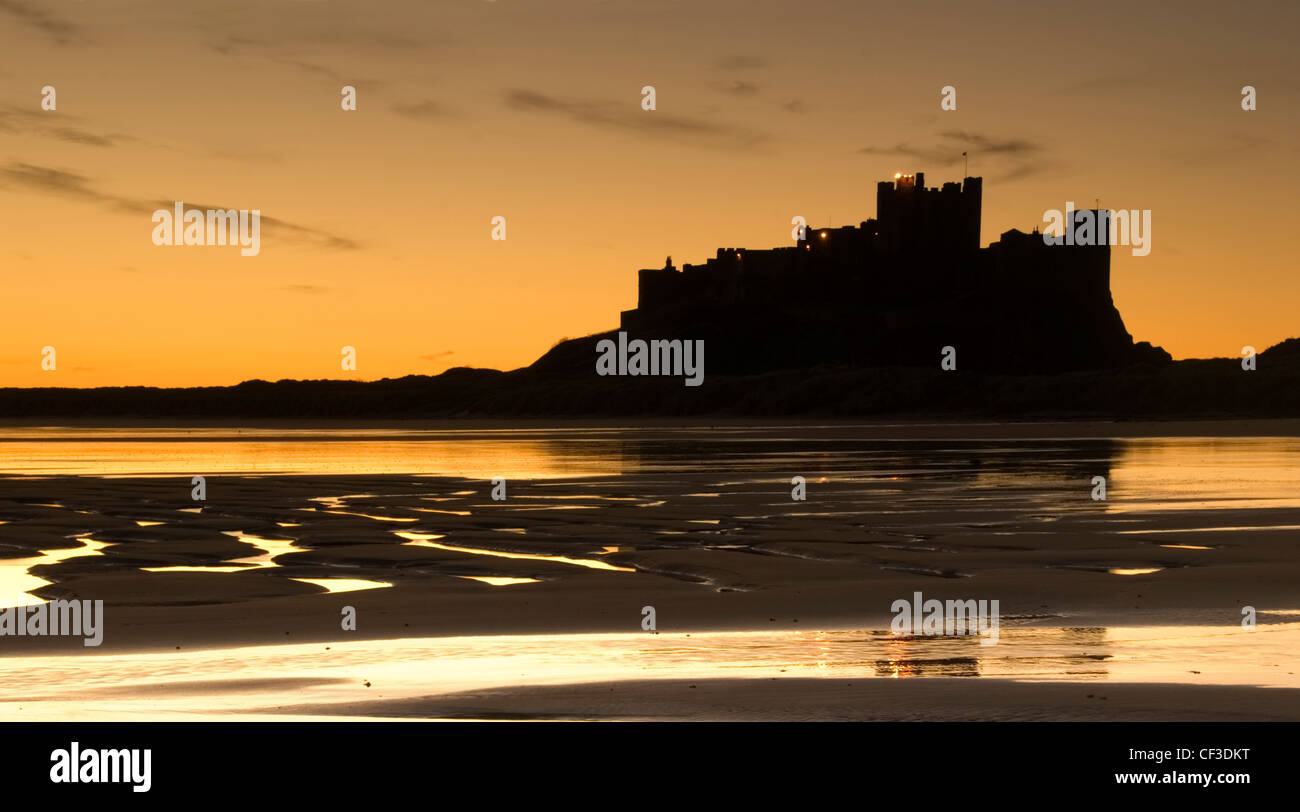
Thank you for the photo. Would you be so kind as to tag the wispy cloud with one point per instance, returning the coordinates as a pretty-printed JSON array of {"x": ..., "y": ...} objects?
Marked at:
[
  {"x": 48, "y": 180},
  {"x": 229, "y": 44},
  {"x": 975, "y": 141},
  {"x": 741, "y": 62},
  {"x": 236, "y": 46},
  {"x": 335, "y": 32},
  {"x": 423, "y": 110},
  {"x": 274, "y": 227},
  {"x": 1012, "y": 158},
  {"x": 629, "y": 117},
  {"x": 952, "y": 144},
  {"x": 53, "y": 124},
  {"x": 311, "y": 68},
  {"x": 741, "y": 88},
  {"x": 89, "y": 139},
  {"x": 33, "y": 16}
]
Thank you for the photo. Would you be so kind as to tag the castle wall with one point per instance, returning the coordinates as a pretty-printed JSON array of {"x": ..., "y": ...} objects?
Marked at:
[{"x": 885, "y": 292}]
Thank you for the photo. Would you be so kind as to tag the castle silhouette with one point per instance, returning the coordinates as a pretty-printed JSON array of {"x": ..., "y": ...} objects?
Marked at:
[
  {"x": 891, "y": 291},
  {"x": 825, "y": 326}
]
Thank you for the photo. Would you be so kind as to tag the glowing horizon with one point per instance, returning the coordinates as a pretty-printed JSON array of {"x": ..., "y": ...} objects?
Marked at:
[{"x": 377, "y": 221}]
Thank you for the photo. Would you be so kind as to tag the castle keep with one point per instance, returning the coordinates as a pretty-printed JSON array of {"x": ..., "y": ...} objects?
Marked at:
[{"x": 894, "y": 290}]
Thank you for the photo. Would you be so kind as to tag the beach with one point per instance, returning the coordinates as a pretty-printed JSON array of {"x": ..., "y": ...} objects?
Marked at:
[{"x": 699, "y": 522}]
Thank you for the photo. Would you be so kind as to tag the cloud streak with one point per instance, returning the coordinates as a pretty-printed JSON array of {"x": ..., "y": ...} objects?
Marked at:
[
  {"x": 741, "y": 62},
  {"x": 1014, "y": 158},
  {"x": 423, "y": 110},
  {"x": 52, "y": 124},
  {"x": 31, "y": 15},
  {"x": 48, "y": 180},
  {"x": 630, "y": 118}
]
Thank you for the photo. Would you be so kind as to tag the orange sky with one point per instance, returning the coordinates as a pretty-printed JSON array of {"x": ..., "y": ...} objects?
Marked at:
[{"x": 531, "y": 110}]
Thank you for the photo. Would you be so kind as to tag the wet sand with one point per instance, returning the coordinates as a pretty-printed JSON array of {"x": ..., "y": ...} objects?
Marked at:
[
  {"x": 711, "y": 543},
  {"x": 743, "y": 558},
  {"x": 823, "y": 700}
]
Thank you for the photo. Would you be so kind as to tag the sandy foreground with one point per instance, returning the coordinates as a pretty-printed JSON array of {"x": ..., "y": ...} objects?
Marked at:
[
  {"x": 710, "y": 547},
  {"x": 808, "y": 700},
  {"x": 743, "y": 561}
]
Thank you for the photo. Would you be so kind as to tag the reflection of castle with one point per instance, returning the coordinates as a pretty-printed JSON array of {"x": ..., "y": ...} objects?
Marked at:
[{"x": 895, "y": 290}]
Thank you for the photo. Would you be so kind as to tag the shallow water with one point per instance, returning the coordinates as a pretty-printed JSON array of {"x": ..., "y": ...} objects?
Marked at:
[
  {"x": 1142, "y": 474},
  {"x": 16, "y": 580},
  {"x": 1046, "y": 479},
  {"x": 185, "y": 684},
  {"x": 1154, "y": 486}
]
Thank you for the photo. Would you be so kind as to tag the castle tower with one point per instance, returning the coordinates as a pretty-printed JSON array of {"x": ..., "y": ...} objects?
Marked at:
[
  {"x": 914, "y": 219},
  {"x": 972, "y": 193}
]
